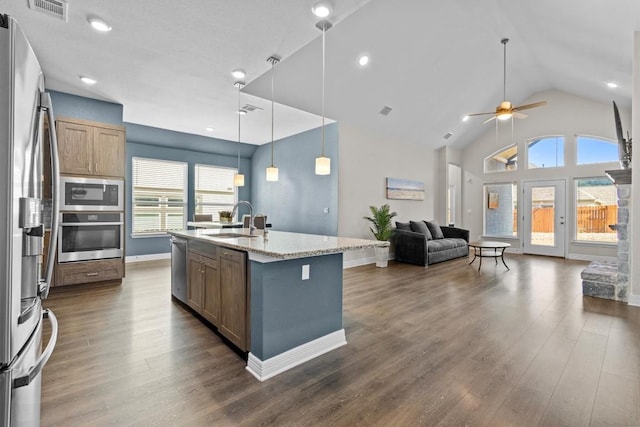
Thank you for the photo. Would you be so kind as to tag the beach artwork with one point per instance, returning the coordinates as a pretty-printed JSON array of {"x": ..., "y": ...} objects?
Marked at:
[{"x": 404, "y": 189}]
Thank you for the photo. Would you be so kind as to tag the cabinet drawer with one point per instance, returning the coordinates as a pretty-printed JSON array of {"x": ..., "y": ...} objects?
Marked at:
[
  {"x": 88, "y": 272},
  {"x": 232, "y": 255},
  {"x": 206, "y": 249}
]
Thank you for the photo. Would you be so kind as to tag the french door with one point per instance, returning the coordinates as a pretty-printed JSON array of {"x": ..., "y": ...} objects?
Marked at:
[{"x": 544, "y": 218}]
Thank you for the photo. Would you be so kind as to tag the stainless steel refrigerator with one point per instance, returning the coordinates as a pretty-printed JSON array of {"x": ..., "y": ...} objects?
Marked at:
[{"x": 23, "y": 285}]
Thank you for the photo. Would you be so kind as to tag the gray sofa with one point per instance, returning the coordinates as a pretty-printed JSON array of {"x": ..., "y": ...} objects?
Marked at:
[{"x": 426, "y": 242}]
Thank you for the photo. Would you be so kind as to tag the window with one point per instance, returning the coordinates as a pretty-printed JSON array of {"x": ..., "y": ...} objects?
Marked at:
[
  {"x": 215, "y": 190},
  {"x": 545, "y": 152},
  {"x": 159, "y": 195},
  {"x": 504, "y": 160},
  {"x": 596, "y": 209},
  {"x": 592, "y": 149},
  {"x": 501, "y": 210}
]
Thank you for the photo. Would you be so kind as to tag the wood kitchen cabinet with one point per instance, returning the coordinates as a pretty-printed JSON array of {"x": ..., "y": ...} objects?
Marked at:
[
  {"x": 233, "y": 296},
  {"x": 74, "y": 273},
  {"x": 203, "y": 290},
  {"x": 217, "y": 289},
  {"x": 90, "y": 148}
]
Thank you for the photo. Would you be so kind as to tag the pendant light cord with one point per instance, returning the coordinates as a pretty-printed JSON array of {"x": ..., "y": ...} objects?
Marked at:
[
  {"x": 504, "y": 70},
  {"x": 239, "y": 87},
  {"x": 273, "y": 64},
  {"x": 324, "y": 30}
]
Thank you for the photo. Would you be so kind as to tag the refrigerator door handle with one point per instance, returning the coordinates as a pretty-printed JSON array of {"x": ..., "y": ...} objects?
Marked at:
[
  {"x": 45, "y": 103},
  {"x": 46, "y": 354}
]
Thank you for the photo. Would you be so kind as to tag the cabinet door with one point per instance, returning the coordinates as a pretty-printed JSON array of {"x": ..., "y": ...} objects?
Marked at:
[
  {"x": 211, "y": 302},
  {"x": 233, "y": 297},
  {"x": 75, "y": 143},
  {"x": 195, "y": 288},
  {"x": 108, "y": 152}
]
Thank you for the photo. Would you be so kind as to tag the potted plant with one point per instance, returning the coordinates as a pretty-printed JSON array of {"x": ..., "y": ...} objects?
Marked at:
[
  {"x": 382, "y": 229},
  {"x": 225, "y": 216}
]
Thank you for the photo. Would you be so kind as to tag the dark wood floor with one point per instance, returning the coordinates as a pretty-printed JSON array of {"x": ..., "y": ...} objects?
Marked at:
[{"x": 438, "y": 346}]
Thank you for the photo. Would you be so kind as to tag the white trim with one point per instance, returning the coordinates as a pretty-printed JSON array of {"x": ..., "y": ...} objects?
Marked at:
[
  {"x": 584, "y": 257},
  {"x": 634, "y": 300},
  {"x": 149, "y": 257},
  {"x": 263, "y": 370},
  {"x": 359, "y": 261}
]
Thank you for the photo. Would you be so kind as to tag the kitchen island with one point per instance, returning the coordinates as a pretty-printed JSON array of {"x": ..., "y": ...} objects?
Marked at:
[{"x": 277, "y": 295}]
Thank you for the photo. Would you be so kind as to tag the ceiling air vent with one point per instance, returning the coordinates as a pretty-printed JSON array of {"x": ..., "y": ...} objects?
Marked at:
[
  {"x": 386, "y": 110},
  {"x": 250, "y": 108},
  {"x": 447, "y": 135},
  {"x": 57, "y": 8}
]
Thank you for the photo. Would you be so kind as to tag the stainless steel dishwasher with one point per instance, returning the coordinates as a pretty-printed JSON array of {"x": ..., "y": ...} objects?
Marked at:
[{"x": 179, "y": 268}]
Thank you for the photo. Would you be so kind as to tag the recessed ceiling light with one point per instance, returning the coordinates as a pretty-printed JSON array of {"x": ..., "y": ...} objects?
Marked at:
[
  {"x": 612, "y": 85},
  {"x": 242, "y": 112},
  {"x": 88, "y": 80},
  {"x": 321, "y": 9},
  {"x": 238, "y": 73},
  {"x": 209, "y": 129},
  {"x": 99, "y": 24},
  {"x": 364, "y": 60},
  {"x": 465, "y": 118}
]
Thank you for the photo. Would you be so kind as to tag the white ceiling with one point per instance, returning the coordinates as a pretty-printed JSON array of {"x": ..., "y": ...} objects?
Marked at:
[{"x": 431, "y": 61}]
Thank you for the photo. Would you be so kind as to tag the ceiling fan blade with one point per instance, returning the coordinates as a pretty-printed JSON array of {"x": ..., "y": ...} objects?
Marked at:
[
  {"x": 518, "y": 115},
  {"x": 489, "y": 119},
  {"x": 481, "y": 114},
  {"x": 528, "y": 106}
]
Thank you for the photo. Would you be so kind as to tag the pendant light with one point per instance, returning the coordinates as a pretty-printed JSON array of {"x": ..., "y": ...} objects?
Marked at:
[
  {"x": 272, "y": 171},
  {"x": 323, "y": 163},
  {"x": 238, "y": 178}
]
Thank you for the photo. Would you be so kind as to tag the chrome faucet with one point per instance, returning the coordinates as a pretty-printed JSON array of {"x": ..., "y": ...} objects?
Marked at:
[{"x": 252, "y": 228}]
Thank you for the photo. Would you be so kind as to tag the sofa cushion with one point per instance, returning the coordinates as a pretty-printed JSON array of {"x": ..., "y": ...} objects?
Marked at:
[
  {"x": 421, "y": 227},
  {"x": 438, "y": 245},
  {"x": 435, "y": 229},
  {"x": 403, "y": 226}
]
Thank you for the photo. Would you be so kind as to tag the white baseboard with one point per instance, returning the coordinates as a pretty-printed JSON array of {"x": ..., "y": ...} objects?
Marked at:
[
  {"x": 362, "y": 261},
  {"x": 634, "y": 300},
  {"x": 265, "y": 369},
  {"x": 149, "y": 257}
]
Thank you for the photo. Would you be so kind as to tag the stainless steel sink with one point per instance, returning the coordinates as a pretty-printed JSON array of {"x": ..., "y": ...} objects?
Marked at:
[{"x": 228, "y": 235}]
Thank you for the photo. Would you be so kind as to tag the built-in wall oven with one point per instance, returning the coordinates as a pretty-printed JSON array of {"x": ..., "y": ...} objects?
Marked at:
[
  {"x": 90, "y": 236},
  {"x": 91, "y": 194}
]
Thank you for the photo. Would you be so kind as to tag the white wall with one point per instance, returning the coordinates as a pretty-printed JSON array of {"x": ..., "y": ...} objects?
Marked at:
[
  {"x": 564, "y": 114},
  {"x": 366, "y": 160}
]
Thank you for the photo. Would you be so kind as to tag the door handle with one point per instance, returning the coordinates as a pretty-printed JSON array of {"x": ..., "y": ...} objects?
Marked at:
[{"x": 46, "y": 354}]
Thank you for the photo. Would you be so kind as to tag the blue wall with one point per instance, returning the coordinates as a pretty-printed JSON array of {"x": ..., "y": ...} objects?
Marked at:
[
  {"x": 297, "y": 201},
  {"x": 79, "y": 107},
  {"x": 141, "y": 143}
]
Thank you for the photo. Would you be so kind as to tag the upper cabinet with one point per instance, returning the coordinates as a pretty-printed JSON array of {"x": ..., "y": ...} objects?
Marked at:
[{"x": 90, "y": 148}]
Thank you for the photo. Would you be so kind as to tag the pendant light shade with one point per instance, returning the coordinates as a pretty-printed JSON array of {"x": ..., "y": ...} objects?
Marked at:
[
  {"x": 323, "y": 163},
  {"x": 238, "y": 178},
  {"x": 272, "y": 171}
]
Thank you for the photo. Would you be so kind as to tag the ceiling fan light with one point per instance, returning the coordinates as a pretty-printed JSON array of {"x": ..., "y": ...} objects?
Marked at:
[{"x": 504, "y": 116}]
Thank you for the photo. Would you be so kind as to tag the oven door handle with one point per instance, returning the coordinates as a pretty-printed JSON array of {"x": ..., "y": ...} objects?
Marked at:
[{"x": 80, "y": 224}]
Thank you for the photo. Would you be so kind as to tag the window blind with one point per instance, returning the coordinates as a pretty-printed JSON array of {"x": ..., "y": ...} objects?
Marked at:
[{"x": 214, "y": 190}]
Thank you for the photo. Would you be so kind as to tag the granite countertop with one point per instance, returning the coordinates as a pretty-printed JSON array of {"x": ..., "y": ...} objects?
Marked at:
[{"x": 278, "y": 244}]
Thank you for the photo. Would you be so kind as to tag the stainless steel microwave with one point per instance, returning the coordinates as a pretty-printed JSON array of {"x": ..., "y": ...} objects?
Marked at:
[{"x": 91, "y": 194}]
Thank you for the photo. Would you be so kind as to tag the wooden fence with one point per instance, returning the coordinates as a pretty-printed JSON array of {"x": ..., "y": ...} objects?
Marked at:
[{"x": 591, "y": 219}]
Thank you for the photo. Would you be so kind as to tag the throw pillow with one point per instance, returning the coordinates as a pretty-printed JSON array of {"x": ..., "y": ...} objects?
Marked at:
[
  {"x": 421, "y": 227},
  {"x": 435, "y": 229},
  {"x": 403, "y": 226}
]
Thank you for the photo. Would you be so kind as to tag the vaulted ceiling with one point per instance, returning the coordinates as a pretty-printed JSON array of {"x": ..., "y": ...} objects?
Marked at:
[{"x": 432, "y": 62}]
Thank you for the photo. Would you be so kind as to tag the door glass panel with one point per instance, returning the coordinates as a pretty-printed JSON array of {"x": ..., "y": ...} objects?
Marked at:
[{"x": 543, "y": 216}]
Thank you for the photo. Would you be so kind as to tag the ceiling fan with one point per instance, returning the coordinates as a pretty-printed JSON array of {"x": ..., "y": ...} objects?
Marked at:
[{"x": 506, "y": 110}]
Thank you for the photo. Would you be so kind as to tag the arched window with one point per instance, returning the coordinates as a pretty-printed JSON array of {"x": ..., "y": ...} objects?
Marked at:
[
  {"x": 545, "y": 152},
  {"x": 506, "y": 159},
  {"x": 592, "y": 149}
]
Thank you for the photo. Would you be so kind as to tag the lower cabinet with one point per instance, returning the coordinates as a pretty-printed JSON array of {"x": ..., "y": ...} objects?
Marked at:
[
  {"x": 73, "y": 273},
  {"x": 217, "y": 289}
]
